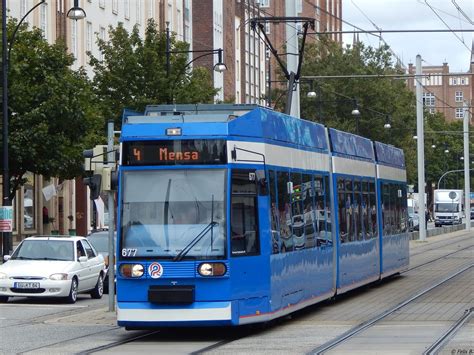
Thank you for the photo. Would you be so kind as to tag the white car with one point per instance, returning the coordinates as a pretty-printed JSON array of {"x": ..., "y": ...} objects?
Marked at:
[{"x": 52, "y": 266}]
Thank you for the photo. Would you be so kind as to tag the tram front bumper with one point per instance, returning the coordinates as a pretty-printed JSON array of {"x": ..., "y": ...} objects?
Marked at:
[{"x": 147, "y": 315}]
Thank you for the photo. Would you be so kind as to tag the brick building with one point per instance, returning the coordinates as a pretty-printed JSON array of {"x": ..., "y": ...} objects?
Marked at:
[
  {"x": 445, "y": 91},
  {"x": 245, "y": 53}
]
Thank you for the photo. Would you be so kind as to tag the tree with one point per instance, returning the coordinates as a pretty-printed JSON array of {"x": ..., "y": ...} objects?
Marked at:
[
  {"x": 52, "y": 115},
  {"x": 133, "y": 72}
]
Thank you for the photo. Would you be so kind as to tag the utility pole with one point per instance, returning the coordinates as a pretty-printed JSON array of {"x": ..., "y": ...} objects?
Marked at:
[
  {"x": 292, "y": 59},
  {"x": 111, "y": 271},
  {"x": 421, "y": 150},
  {"x": 467, "y": 179}
]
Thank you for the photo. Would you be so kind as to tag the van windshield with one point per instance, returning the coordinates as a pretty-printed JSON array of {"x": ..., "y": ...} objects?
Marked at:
[{"x": 447, "y": 207}]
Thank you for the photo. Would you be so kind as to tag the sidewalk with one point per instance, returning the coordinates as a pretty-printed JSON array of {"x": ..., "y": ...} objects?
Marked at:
[{"x": 100, "y": 316}]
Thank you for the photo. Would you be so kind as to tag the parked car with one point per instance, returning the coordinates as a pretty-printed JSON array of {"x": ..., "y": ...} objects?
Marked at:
[
  {"x": 472, "y": 212},
  {"x": 52, "y": 266},
  {"x": 413, "y": 222},
  {"x": 100, "y": 241}
]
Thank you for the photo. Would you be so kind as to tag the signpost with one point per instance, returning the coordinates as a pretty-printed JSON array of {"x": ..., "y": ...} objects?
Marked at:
[
  {"x": 452, "y": 196},
  {"x": 6, "y": 219}
]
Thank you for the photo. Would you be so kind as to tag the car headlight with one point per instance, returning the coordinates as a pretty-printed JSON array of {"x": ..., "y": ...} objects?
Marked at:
[
  {"x": 132, "y": 270},
  {"x": 58, "y": 277},
  {"x": 212, "y": 269},
  {"x": 3, "y": 276}
]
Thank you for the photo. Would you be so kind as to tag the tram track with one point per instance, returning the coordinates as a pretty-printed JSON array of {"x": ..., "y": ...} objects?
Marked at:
[
  {"x": 155, "y": 337},
  {"x": 441, "y": 343},
  {"x": 353, "y": 332}
]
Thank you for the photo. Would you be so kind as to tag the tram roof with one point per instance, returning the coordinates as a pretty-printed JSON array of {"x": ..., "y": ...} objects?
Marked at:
[
  {"x": 251, "y": 121},
  {"x": 389, "y": 155}
]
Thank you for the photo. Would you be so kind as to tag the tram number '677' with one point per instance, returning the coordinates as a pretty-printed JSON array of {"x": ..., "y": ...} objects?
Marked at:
[{"x": 129, "y": 252}]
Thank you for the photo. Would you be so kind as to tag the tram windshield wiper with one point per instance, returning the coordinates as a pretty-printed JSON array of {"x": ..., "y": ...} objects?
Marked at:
[{"x": 193, "y": 242}]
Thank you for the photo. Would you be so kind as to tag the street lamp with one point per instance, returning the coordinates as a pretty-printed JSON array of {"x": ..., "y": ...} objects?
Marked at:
[
  {"x": 218, "y": 67},
  {"x": 356, "y": 113},
  {"x": 6, "y": 49},
  {"x": 76, "y": 12}
]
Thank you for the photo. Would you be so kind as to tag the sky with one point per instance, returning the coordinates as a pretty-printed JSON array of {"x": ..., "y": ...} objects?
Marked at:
[{"x": 434, "y": 48}]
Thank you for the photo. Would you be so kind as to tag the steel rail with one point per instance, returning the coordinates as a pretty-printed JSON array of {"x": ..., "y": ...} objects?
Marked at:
[
  {"x": 444, "y": 339},
  {"x": 367, "y": 324}
]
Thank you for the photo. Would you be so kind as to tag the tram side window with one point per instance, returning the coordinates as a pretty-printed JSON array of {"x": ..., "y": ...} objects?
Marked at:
[
  {"x": 327, "y": 211},
  {"x": 244, "y": 217},
  {"x": 404, "y": 210},
  {"x": 386, "y": 210},
  {"x": 310, "y": 222},
  {"x": 365, "y": 210},
  {"x": 373, "y": 211},
  {"x": 397, "y": 213},
  {"x": 275, "y": 232},
  {"x": 320, "y": 213},
  {"x": 284, "y": 212},
  {"x": 357, "y": 210},
  {"x": 297, "y": 218},
  {"x": 343, "y": 231}
]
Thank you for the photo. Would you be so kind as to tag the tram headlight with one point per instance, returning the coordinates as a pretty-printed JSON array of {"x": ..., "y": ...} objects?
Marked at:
[
  {"x": 212, "y": 269},
  {"x": 132, "y": 270}
]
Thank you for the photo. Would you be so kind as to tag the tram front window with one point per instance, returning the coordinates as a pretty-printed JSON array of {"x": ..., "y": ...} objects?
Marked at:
[{"x": 166, "y": 211}]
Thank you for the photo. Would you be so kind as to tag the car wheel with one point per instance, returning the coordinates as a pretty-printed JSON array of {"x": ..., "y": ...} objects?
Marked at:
[
  {"x": 3, "y": 299},
  {"x": 98, "y": 290},
  {"x": 73, "y": 292}
]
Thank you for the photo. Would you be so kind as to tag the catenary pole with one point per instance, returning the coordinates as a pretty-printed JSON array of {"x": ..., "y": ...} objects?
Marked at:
[
  {"x": 420, "y": 150},
  {"x": 292, "y": 58},
  {"x": 467, "y": 179},
  {"x": 110, "y": 159}
]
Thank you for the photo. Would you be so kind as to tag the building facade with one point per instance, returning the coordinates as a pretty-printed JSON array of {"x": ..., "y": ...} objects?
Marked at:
[
  {"x": 248, "y": 61},
  {"x": 444, "y": 91},
  {"x": 52, "y": 206}
]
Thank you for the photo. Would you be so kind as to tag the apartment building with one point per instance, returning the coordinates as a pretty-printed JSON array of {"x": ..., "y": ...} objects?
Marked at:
[
  {"x": 45, "y": 206},
  {"x": 445, "y": 91},
  {"x": 245, "y": 53}
]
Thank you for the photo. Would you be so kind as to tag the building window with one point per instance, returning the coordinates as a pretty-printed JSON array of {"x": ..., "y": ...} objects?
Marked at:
[
  {"x": 115, "y": 6},
  {"x": 74, "y": 38},
  {"x": 102, "y": 4},
  {"x": 139, "y": 12},
  {"x": 264, "y": 3},
  {"x": 89, "y": 36},
  {"x": 458, "y": 96},
  {"x": 126, "y": 9},
  {"x": 44, "y": 21},
  {"x": 299, "y": 6},
  {"x": 459, "y": 112},
  {"x": 23, "y": 8},
  {"x": 102, "y": 37},
  {"x": 150, "y": 8},
  {"x": 29, "y": 202},
  {"x": 428, "y": 99}
]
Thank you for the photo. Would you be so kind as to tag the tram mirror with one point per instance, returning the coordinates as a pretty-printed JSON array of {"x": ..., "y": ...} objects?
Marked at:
[
  {"x": 289, "y": 187},
  {"x": 262, "y": 182}
]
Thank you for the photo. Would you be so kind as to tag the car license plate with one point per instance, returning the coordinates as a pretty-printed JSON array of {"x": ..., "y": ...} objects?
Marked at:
[{"x": 27, "y": 285}]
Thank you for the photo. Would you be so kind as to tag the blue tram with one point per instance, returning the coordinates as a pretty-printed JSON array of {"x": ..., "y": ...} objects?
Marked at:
[{"x": 236, "y": 214}]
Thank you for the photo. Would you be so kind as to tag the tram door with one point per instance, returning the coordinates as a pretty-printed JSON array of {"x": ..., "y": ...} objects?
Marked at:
[{"x": 247, "y": 267}]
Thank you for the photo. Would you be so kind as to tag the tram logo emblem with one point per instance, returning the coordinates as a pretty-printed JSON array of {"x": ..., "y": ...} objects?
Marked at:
[{"x": 155, "y": 270}]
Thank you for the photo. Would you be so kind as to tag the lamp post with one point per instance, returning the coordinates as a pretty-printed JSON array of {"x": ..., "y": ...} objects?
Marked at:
[
  {"x": 74, "y": 13},
  {"x": 218, "y": 67}
]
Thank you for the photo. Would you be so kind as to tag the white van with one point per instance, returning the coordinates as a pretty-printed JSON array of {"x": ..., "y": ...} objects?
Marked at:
[{"x": 448, "y": 207}]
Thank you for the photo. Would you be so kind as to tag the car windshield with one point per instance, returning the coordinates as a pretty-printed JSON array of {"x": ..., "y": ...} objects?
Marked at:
[
  {"x": 31, "y": 249},
  {"x": 164, "y": 211},
  {"x": 447, "y": 207}
]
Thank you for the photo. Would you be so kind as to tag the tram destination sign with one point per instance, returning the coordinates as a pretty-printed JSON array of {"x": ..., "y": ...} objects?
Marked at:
[{"x": 175, "y": 152}]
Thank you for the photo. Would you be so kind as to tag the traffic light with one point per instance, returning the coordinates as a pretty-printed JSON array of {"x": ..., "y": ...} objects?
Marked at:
[{"x": 94, "y": 183}]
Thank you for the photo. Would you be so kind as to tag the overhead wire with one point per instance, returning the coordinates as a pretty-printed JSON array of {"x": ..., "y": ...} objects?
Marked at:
[{"x": 446, "y": 24}]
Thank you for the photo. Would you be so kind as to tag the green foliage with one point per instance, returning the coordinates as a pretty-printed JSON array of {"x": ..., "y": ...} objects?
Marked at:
[
  {"x": 133, "y": 72},
  {"x": 52, "y": 112},
  {"x": 381, "y": 94}
]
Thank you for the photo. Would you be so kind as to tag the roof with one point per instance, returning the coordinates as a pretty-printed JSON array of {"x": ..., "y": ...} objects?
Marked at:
[{"x": 55, "y": 237}]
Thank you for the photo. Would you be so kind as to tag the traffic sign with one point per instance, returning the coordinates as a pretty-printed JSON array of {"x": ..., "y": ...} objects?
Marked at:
[
  {"x": 6, "y": 219},
  {"x": 452, "y": 195}
]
